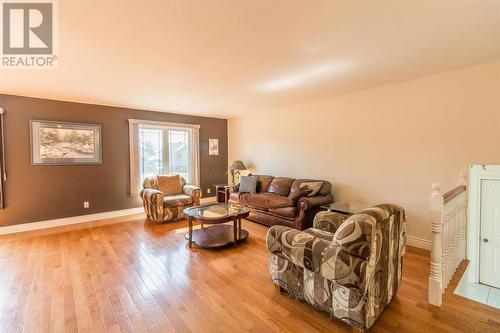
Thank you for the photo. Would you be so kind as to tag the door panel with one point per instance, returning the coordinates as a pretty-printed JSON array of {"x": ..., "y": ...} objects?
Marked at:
[{"x": 489, "y": 270}]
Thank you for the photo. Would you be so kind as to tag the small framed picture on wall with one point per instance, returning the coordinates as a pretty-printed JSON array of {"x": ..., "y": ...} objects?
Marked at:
[
  {"x": 63, "y": 143},
  {"x": 213, "y": 146}
]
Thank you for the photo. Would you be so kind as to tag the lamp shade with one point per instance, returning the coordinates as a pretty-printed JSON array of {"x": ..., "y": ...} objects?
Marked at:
[{"x": 238, "y": 165}]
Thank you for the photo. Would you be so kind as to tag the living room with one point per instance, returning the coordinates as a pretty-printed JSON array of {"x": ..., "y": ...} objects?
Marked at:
[{"x": 324, "y": 166}]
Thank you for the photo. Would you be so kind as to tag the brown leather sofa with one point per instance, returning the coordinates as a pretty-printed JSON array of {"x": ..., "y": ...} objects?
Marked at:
[{"x": 271, "y": 204}]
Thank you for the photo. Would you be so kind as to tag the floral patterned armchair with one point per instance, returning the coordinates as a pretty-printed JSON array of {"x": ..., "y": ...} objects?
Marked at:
[
  {"x": 350, "y": 267},
  {"x": 161, "y": 207}
]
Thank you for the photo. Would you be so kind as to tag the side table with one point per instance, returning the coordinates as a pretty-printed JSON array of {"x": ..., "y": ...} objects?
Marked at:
[{"x": 222, "y": 193}]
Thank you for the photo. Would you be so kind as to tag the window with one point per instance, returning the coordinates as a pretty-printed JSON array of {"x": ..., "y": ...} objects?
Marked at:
[
  {"x": 164, "y": 151},
  {"x": 163, "y": 148}
]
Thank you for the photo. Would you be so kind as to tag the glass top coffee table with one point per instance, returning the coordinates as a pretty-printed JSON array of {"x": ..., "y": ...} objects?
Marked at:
[
  {"x": 347, "y": 208},
  {"x": 218, "y": 234}
]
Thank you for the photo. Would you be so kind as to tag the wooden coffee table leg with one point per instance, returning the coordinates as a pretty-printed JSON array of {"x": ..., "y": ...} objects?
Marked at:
[
  {"x": 239, "y": 228},
  {"x": 190, "y": 231},
  {"x": 235, "y": 227}
]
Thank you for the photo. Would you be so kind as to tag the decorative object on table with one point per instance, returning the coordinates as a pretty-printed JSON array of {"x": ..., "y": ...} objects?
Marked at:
[
  {"x": 63, "y": 143},
  {"x": 235, "y": 167},
  {"x": 346, "y": 208},
  {"x": 219, "y": 234},
  {"x": 238, "y": 174},
  {"x": 222, "y": 193},
  {"x": 248, "y": 184},
  {"x": 165, "y": 197},
  {"x": 3, "y": 171},
  {"x": 357, "y": 261},
  {"x": 213, "y": 147},
  {"x": 276, "y": 201}
]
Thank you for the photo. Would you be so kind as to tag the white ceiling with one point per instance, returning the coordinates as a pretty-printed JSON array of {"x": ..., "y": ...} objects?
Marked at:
[{"x": 223, "y": 58}]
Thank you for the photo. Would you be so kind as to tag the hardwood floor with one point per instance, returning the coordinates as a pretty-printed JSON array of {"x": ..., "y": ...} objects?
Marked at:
[{"x": 132, "y": 277}]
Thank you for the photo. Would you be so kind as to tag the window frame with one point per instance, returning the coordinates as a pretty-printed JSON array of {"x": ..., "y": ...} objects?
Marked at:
[{"x": 134, "y": 135}]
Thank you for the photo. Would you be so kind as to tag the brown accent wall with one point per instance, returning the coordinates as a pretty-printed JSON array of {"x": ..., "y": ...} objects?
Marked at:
[{"x": 37, "y": 193}]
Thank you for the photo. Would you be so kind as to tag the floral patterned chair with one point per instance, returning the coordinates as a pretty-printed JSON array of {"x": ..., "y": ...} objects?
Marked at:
[
  {"x": 350, "y": 267},
  {"x": 165, "y": 197}
]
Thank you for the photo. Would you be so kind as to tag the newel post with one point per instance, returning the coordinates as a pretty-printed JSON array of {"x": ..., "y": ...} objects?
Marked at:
[{"x": 436, "y": 276}]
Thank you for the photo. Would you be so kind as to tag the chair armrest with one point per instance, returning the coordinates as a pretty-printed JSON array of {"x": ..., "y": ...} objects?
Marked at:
[
  {"x": 307, "y": 203},
  {"x": 316, "y": 251},
  {"x": 328, "y": 221},
  {"x": 194, "y": 192},
  {"x": 153, "y": 204}
]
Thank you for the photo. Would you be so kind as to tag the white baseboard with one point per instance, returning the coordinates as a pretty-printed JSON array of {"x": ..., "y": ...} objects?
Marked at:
[
  {"x": 12, "y": 229},
  {"x": 419, "y": 242}
]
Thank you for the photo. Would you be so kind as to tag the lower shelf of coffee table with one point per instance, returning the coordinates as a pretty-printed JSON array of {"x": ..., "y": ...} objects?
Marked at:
[{"x": 216, "y": 236}]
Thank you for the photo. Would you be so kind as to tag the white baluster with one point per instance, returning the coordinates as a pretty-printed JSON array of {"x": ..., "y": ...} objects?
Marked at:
[
  {"x": 464, "y": 181},
  {"x": 449, "y": 232},
  {"x": 436, "y": 276},
  {"x": 456, "y": 255},
  {"x": 454, "y": 239},
  {"x": 444, "y": 250},
  {"x": 464, "y": 228}
]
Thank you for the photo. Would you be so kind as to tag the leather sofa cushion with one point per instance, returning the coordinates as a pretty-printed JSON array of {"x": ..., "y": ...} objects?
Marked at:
[
  {"x": 263, "y": 183},
  {"x": 177, "y": 200},
  {"x": 269, "y": 219},
  {"x": 281, "y": 186},
  {"x": 284, "y": 211},
  {"x": 265, "y": 201},
  {"x": 238, "y": 198}
]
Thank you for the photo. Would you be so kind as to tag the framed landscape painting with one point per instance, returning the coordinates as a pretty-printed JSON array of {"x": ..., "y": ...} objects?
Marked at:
[{"x": 63, "y": 143}]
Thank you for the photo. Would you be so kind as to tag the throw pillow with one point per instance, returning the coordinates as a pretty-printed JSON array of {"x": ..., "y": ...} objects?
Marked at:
[
  {"x": 170, "y": 185},
  {"x": 314, "y": 186},
  {"x": 297, "y": 194},
  {"x": 248, "y": 184}
]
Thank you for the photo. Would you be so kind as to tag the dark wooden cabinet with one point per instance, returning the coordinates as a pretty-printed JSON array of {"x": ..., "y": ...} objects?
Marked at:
[{"x": 222, "y": 194}]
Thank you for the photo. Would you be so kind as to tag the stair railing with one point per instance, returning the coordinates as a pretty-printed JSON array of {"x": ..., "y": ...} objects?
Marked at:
[{"x": 449, "y": 236}]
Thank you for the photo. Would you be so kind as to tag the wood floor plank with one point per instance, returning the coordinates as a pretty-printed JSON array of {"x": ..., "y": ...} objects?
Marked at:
[{"x": 139, "y": 277}]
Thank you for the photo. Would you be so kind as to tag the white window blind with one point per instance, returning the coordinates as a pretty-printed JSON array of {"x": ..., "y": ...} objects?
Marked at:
[{"x": 159, "y": 148}]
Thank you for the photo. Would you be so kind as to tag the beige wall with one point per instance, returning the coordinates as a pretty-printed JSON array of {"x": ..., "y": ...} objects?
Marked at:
[{"x": 386, "y": 144}]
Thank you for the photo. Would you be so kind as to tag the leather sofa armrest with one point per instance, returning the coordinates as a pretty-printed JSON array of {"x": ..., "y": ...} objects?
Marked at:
[
  {"x": 194, "y": 192},
  {"x": 153, "y": 204},
  {"x": 306, "y": 203}
]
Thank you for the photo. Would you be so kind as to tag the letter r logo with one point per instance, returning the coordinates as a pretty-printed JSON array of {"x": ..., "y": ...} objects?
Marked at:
[{"x": 27, "y": 28}]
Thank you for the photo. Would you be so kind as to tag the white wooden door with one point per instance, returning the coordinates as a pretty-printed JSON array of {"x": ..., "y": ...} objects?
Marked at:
[{"x": 489, "y": 269}]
